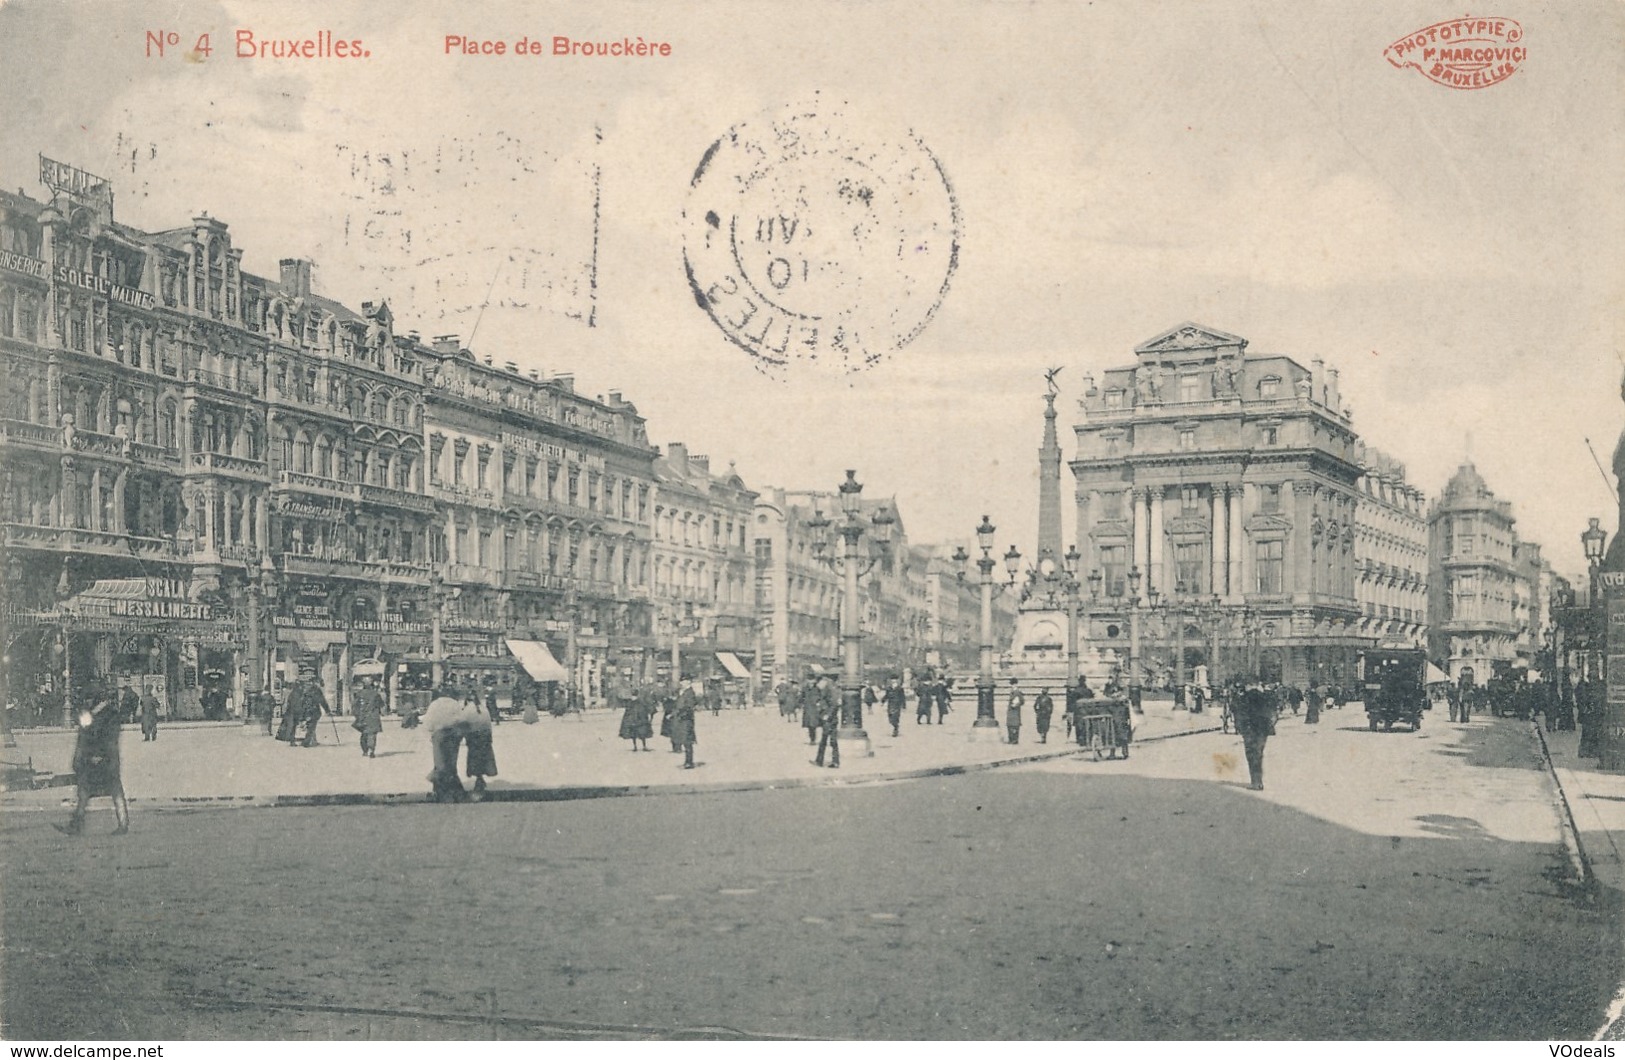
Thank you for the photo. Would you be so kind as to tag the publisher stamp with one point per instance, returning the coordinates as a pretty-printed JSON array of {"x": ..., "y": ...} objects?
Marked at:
[
  {"x": 1464, "y": 53},
  {"x": 811, "y": 240}
]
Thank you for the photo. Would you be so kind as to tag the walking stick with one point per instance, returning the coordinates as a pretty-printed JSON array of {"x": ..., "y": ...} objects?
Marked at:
[{"x": 335, "y": 722}]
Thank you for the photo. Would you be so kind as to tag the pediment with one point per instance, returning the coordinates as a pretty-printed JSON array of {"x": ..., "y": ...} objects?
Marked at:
[
  {"x": 1187, "y": 337},
  {"x": 1266, "y": 522},
  {"x": 1185, "y": 524}
]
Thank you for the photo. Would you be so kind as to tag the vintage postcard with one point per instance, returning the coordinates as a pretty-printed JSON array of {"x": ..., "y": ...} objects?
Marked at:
[{"x": 889, "y": 520}]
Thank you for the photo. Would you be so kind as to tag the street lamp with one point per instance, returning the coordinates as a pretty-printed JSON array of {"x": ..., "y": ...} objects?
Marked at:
[
  {"x": 986, "y": 723},
  {"x": 1593, "y": 540},
  {"x": 851, "y": 566}
]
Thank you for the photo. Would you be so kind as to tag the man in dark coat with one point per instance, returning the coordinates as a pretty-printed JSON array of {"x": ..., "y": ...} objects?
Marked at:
[
  {"x": 922, "y": 706},
  {"x": 713, "y": 696},
  {"x": 1043, "y": 708},
  {"x": 689, "y": 697},
  {"x": 368, "y": 709},
  {"x": 829, "y": 720},
  {"x": 894, "y": 697},
  {"x": 812, "y": 708},
  {"x": 1122, "y": 724},
  {"x": 1012, "y": 712},
  {"x": 306, "y": 704},
  {"x": 1312, "y": 703},
  {"x": 945, "y": 695},
  {"x": 149, "y": 715},
  {"x": 786, "y": 692},
  {"x": 491, "y": 710},
  {"x": 129, "y": 702},
  {"x": 1255, "y": 721},
  {"x": 96, "y": 765}
]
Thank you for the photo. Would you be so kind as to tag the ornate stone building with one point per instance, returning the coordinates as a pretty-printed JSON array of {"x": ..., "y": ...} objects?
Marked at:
[
  {"x": 1390, "y": 553},
  {"x": 1473, "y": 599},
  {"x": 1224, "y": 483}
]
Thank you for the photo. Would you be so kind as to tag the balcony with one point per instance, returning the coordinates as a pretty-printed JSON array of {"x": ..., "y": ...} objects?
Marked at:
[
  {"x": 463, "y": 495},
  {"x": 396, "y": 572},
  {"x": 98, "y": 443},
  {"x": 220, "y": 463},
  {"x": 470, "y": 574},
  {"x": 394, "y": 498},
  {"x": 317, "y": 484},
  {"x": 158, "y": 454},
  {"x": 97, "y": 542},
  {"x": 242, "y": 386},
  {"x": 21, "y": 432}
]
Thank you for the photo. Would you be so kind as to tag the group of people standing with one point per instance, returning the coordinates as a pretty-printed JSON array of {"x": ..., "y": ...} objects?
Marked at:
[{"x": 676, "y": 706}]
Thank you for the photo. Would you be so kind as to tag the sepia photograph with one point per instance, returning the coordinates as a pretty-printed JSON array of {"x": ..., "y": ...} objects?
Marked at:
[{"x": 888, "y": 521}]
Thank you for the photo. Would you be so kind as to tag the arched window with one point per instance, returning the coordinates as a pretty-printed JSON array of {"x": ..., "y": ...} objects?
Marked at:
[
  {"x": 324, "y": 457},
  {"x": 302, "y": 453},
  {"x": 167, "y": 420},
  {"x": 8, "y": 312}
]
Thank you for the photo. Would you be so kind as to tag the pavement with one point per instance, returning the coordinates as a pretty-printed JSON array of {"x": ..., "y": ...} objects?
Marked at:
[{"x": 577, "y": 756}]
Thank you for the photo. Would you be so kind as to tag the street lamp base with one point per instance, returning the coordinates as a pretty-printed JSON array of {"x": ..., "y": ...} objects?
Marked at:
[
  {"x": 855, "y": 741},
  {"x": 986, "y": 730}
]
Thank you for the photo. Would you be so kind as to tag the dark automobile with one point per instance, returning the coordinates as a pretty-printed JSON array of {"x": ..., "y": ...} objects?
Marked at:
[{"x": 1392, "y": 683}]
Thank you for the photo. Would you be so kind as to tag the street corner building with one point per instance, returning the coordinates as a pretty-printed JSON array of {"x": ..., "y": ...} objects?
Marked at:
[{"x": 1236, "y": 519}]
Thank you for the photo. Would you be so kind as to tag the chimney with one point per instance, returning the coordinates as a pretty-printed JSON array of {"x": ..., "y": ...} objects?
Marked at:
[
  {"x": 1317, "y": 381},
  {"x": 615, "y": 398},
  {"x": 534, "y": 374},
  {"x": 677, "y": 454},
  {"x": 513, "y": 369},
  {"x": 414, "y": 336},
  {"x": 703, "y": 463},
  {"x": 1334, "y": 399},
  {"x": 567, "y": 381},
  {"x": 296, "y": 276},
  {"x": 488, "y": 360},
  {"x": 445, "y": 344}
]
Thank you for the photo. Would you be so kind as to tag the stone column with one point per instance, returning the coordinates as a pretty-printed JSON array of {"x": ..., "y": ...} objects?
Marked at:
[
  {"x": 1136, "y": 559},
  {"x": 1216, "y": 532},
  {"x": 1156, "y": 546},
  {"x": 1249, "y": 581},
  {"x": 96, "y": 500}
]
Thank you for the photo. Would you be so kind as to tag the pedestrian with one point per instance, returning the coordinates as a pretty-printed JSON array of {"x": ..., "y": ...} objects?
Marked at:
[
  {"x": 149, "y": 715},
  {"x": 1043, "y": 708},
  {"x": 96, "y": 768},
  {"x": 1312, "y": 704},
  {"x": 636, "y": 716},
  {"x": 668, "y": 704},
  {"x": 689, "y": 697},
  {"x": 1012, "y": 712},
  {"x": 811, "y": 708},
  {"x": 491, "y": 710},
  {"x": 1255, "y": 721},
  {"x": 713, "y": 696},
  {"x": 305, "y": 706},
  {"x": 829, "y": 720},
  {"x": 1122, "y": 724},
  {"x": 923, "y": 697},
  {"x": 945, "y": 696},
  {"x": 129, "y": 703},
  {"x": 786, "y": 693},
  {"x": 895, "y": 698},
  {"x": 368, "y": 708}
]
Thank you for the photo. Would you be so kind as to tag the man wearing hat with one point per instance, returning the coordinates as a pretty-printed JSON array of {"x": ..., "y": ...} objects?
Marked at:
[
  {"x": 1012, "y": 712},
  {"x": 306, "y": 704}
]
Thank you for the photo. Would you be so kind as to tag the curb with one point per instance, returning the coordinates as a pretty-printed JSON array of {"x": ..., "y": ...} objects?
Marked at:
[
  {"x": 1565, "y": 815},
  {"x": 599, "y": 791}
]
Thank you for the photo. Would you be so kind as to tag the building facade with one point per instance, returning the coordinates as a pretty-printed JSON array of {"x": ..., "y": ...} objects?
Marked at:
[
  {"x": 704, "y": 582},
  {"x": 1390, "y": 554},
  {"x": 1223, "y": 485},
  {"x": 1474, "y": 595}
]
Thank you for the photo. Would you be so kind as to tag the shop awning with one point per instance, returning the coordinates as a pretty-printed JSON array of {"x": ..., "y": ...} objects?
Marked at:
[
  {"x": 310, "y": 639},
  {"x": 537, "y": 660},
  {"x": 730, "y": 662},
  {"x": 1436, "y": 676}
]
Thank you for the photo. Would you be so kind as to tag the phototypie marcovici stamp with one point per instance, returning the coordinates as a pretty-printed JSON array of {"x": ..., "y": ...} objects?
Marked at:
[
  {"x": 1471, "y": 52},
  {"x": 810, "y": 240}
]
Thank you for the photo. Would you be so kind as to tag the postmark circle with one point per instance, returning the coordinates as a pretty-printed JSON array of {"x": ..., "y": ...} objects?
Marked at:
[{"x": 809, "y": 239}]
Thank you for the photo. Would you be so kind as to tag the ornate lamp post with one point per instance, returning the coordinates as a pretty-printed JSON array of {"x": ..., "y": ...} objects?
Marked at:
[
  {"x": 986, "y": 725},
  {"x": 1135, "y": 679},
  {"x": 1070, "y": 589},
  {"x": 851, "y": 566},
  {"x": 1593, "y": 540}
]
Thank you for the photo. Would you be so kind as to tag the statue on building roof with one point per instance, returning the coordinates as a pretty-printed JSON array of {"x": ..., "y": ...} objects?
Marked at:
[{"x": 1049, "y": 378}]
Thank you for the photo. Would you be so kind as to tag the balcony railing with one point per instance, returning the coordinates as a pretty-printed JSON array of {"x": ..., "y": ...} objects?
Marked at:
[
  {"x": 100, "y": 542},
  {"x": 21, "y": 431},
  {"x": 245, "y": 383},
  {"x": 96, "y": 442},
  {"x": 471, "y": 574},
  {"x": 327, "y": 487},
  {"x": 463, "y": 495},
  {"x": 416, "y": 502},
  {"x": 239, "y": 465},
  {"x": 158, "y": 454}
]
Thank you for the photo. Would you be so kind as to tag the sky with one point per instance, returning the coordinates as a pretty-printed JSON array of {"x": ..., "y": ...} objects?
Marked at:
[{"x": 1113, "y": 169}]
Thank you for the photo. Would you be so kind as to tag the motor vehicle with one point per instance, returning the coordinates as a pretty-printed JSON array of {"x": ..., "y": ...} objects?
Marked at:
[{"x": 1392, "y": 683}]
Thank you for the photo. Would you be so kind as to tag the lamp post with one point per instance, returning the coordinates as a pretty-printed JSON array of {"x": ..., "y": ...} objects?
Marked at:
[
  {"x": 851, "y": 566},
  {"x": 1134, "y": 678},
  {"x": 986, "y": 725},
  {"x": 1611, "y": 747}
]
